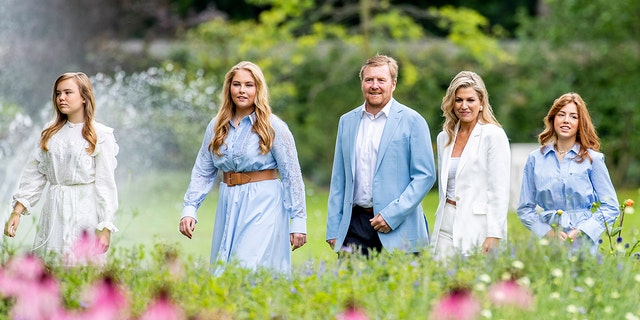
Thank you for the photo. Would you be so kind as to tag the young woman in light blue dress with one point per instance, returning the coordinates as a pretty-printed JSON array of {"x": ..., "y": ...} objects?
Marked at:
[
  {"x": 260, "y": 218},
  {"x": 566, "y": 177}
]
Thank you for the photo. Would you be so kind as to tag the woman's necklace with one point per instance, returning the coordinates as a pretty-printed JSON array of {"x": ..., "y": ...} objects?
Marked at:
[{"x": 560, "y": 152}]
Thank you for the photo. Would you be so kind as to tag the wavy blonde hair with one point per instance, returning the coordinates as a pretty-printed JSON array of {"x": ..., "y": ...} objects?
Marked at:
[
  {"x": 86, "y": 91},
  {"x": 465, "y": 79},
  {"x": 262, "y": 125},
  {"x": 586, "y": 135}
]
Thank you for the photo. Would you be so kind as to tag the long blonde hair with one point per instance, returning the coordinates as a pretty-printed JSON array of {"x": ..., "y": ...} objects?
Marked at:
[
  {"x": 86, "y": 91},
  {"x": 465, "y": 79},
  {"x": 262, "y": 125},
  {"x": 586, "y": 135}
]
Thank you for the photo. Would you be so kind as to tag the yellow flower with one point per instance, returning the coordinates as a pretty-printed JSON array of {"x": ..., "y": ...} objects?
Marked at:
[{"x": 559, "y": 212}]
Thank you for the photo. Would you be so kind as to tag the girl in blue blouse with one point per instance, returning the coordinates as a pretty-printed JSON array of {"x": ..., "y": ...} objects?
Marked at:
[
  {"x": 260, "y": 217},
  {"x": 567, "y": 177}
]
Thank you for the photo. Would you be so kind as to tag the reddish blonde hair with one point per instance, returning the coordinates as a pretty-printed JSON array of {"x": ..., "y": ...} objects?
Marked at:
[{"x": 586, "y": 135}]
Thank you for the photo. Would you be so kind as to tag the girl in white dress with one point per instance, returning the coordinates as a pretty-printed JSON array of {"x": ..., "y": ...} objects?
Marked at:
[{"x": 76, "y": 158}]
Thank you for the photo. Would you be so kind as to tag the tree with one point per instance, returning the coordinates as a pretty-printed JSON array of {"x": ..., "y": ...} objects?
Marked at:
[
  {"x": 312, "y": 64},
  {"x": 588, "y": 47}
]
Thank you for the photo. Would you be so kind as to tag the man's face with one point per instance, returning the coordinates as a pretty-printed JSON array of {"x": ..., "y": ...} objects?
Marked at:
[{"x": 377, "y": 86}]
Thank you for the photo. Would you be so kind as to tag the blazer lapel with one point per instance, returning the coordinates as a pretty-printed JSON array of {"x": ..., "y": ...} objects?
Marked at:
[
  {"x": 395, "y": 114},
  {"x": 444, "y": 166},
  {"x": 471, "y": 147},
  {"x": 352, "y": 134}
]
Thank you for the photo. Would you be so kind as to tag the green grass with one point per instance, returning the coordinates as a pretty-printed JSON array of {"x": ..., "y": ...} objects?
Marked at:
[
  {"x": 389, "y": 286},
  {"x": 151, "y": 204}
]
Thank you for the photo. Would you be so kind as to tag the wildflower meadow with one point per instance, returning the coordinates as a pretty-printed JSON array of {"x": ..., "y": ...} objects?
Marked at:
[{"x": 158, "y": 279}]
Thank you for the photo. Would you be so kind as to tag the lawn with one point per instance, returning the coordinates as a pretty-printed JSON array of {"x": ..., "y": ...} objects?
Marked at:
[
  {"x": 552, "y": 281},
  {"x": 150, "y": 207}
]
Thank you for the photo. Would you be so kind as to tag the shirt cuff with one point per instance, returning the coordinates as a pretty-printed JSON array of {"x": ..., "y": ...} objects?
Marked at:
[
  {"x": 189, "y": 211},
  {"x": 107, "y": 224},
  {"x": 592, "y": 228},
  {"x": 298, "y": 225},
  {"x": 540, "y": 229},
  {"x": 25, "y": 204}
]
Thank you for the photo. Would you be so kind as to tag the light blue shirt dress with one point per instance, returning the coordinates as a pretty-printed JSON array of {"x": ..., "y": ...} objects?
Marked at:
[{"x": 253, "y": 220}]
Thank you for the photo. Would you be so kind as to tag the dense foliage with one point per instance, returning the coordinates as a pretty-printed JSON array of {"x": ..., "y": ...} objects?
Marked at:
[
  {"x": 527, "y": 280},
  {"x": 311, "y": 61}
]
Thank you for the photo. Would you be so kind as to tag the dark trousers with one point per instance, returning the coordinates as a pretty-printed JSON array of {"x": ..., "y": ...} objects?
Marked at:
[{"x": 361, "y": 235}]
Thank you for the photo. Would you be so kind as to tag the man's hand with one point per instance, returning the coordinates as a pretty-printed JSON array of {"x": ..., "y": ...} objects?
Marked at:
[{"x": 379, "y": 224}]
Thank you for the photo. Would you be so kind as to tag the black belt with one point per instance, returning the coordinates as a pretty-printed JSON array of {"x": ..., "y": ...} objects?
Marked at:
[{"x": 363, "y": 209}]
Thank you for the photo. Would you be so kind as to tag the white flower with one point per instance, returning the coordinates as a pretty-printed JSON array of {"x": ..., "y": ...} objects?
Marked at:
[
  {"x": 637, "y": 277},
  {"x": 480, "y": 287},
  {"x": 608, "y": 309},
  {"x": 543, "y": 242},
  {"x": 506, "y": 276},
  {"x": 615, "y": 295},
  {"x": 556, "y": 273},
  {"x": 631, "y": 316},
  {"x": 589, "y": 282},
  {"x": 572, "y": 309},
  {"x": 486, "y": 313},
  {"x": 554, "y": 295},
  {"x": 485, "y": 278},
  {"x": 524, "y": 281},
  {"x": 517, "y": 264},
  {"x": 629, "y": 210}
]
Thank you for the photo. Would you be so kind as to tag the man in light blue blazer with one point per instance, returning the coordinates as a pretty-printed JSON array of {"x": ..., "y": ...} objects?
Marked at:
[{"x": 383, "y": 167}]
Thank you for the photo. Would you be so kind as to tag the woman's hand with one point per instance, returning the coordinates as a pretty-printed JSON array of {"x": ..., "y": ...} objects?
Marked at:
[
  {"x": 104, "y": 239},
  {"x": 11, "y": 226},
  {"x": 490, "y": 244},
  {"x": 297, "y": 240},
  {"x": 187, "y": 225}
]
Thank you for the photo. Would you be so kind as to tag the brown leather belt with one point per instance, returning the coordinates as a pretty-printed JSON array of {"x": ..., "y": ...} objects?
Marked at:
[
  {"x": 237, "y": 178},
  {"x": 449, "y": 201}
]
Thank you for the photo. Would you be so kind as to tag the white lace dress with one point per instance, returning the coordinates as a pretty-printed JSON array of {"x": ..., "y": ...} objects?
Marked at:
[
  {"x": 253, "y": 220},
  {"x": 82, "y": 194}
]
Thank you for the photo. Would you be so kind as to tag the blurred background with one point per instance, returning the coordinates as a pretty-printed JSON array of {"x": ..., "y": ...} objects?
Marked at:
[{"x": 157, "y": 67}]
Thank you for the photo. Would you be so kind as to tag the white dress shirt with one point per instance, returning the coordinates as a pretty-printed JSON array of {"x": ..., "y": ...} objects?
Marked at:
[{"x": 367, "y": 143}]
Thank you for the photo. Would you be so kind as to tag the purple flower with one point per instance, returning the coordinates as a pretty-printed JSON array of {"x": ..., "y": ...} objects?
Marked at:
[{"x": 459, "y": 304}]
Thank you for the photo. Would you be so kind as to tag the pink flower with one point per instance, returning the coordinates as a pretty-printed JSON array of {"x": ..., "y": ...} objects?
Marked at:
[
  {"x": 105, "y": 301},
  {"x": 510, "y": 293},
  {"x": 36, "y": 293},
  {"x": 162, "y": 308},
  {"x": 459, "y": 304},
  {"x": 352, "y": 312},
  {"x": 38, "y": 299},
  {"x": 86, "y": 250}
]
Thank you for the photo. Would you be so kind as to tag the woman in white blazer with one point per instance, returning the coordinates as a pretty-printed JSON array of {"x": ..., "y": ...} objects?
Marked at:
[{"x": 473, "y": 172}]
